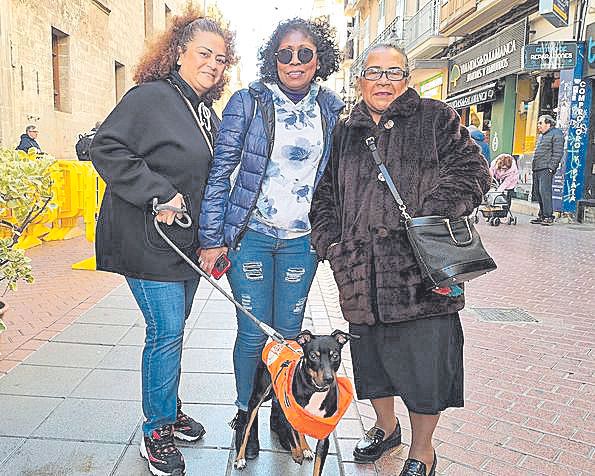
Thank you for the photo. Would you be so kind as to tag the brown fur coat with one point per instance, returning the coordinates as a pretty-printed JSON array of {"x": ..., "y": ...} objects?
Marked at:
[{"x": 437, "y": 169}]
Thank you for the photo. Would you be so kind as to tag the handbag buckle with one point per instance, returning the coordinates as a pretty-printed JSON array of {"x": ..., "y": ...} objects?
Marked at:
[{"x": 459, "y": 243}]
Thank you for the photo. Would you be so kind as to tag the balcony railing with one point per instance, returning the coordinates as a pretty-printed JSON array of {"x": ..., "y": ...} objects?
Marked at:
[
  {"x": 391, "y": 34},
  {"x": 423, "y": 25}
]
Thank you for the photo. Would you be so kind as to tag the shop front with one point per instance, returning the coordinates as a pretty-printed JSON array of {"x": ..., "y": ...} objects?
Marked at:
[
  {"x": 482, "y": 85},
  {"x": 554, "y": 69},
  {"x": 588, "y": 198},
  {"x": 429, "y": 77}
]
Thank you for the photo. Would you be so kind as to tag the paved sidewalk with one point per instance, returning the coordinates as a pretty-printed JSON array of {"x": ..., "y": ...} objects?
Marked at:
[{"x": 73, "y": 406}]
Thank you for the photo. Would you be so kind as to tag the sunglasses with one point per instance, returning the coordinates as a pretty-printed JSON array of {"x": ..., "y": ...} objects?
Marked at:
[
  {"x": 374, "y": 73},
  {"x": 285, "y": 55}
]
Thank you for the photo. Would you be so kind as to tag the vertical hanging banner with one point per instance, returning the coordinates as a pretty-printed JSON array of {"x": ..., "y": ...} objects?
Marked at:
[{"x": 578, "y": 136}]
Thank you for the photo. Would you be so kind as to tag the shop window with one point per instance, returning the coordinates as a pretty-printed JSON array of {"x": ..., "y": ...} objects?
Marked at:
[
  {"x": 548, "y": 97},
  {"x": 61, "y": 70},
  {"x": 120, "y": 80}
]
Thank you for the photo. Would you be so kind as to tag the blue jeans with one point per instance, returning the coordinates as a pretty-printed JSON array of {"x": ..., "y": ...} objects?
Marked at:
[
  {"x": 165, "y": 307},
  {"x": 271, "y": 277}
]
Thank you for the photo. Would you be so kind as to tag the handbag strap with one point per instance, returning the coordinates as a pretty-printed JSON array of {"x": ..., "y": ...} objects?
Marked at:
[{"x": 371, "y": 143}]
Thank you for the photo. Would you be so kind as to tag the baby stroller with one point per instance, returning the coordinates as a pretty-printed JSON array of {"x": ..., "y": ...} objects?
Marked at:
[{"x": 496, "y": 207}]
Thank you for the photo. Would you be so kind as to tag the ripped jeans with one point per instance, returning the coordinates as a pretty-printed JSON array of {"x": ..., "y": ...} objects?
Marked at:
[{"x": 271, "y": 277}]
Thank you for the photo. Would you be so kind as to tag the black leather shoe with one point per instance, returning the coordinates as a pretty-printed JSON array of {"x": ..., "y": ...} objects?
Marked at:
[
  {"x": 414, "y": 467},
  {"x": 373, "y": 445},
  {"x": 239, "y": 425}
]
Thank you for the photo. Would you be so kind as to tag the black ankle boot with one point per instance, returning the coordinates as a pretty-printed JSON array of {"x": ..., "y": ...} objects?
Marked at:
[
  {"x": 239, "y": 425},
  {"x": 276, "y": 425}
]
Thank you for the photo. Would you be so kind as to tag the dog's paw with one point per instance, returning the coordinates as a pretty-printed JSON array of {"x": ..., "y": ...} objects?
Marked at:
[
  {"x": 239, "y": 464},
  {"x": 308, "y": 454}
]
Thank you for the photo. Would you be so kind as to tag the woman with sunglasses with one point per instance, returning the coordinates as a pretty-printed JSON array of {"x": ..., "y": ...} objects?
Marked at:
[
  {"x": 411, "y": 340},
  {"x": 277, "y": 133}
]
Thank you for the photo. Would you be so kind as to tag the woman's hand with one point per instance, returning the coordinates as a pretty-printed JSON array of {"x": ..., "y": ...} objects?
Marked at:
[
  {"x": 207, "y": 258},
  {"x": 168, "y": 216}
]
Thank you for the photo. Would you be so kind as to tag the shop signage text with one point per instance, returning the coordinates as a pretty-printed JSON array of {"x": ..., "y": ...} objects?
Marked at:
[
  {"x": 489, "y": 62},
  {"x": 555, "y": 11},
  {"x": 549, "y": 55},
  {"x": 491, "y": 59},
  {"x": 477, "y": 97}
]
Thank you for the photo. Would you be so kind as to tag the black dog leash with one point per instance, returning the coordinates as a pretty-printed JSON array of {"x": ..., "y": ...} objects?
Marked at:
[{"x": 186, "y": 222}]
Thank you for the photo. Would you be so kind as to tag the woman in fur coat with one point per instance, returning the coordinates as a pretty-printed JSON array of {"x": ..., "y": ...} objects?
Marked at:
[{"x": 411, "y": 340}]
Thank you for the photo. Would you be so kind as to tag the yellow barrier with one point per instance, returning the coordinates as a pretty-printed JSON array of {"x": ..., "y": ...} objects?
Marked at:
[
  {"x": 93, "y": 190},
  {"x": 77, "y": 191},
  {"x": 68, "y": 195},
  {"x": 38, "y": 228}
]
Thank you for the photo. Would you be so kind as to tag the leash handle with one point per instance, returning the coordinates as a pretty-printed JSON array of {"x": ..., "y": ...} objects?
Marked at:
[
  {"x": 184, "y": 222},
  {"x": 265, "y": 328}
]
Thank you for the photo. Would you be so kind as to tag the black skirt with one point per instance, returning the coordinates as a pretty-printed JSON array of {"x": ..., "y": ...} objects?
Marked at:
[{"x": 420, "y": 361}]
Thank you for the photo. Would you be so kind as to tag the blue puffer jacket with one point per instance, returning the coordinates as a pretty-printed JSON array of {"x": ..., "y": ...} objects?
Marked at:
[{"x": 246, "y": 138}]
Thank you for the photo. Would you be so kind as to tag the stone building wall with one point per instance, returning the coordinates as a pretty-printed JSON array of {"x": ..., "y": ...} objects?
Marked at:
[{"x": 99, "y": 34}]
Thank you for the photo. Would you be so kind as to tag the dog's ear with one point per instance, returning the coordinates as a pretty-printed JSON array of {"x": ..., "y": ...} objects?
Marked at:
[
  {"x": 342, "y": 337},
  {"x": 304, "y": 337}
]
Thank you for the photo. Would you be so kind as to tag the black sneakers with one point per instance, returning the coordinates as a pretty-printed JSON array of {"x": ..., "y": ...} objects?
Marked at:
[
  {"x": 187, "y": 428},
  {"x": 161, "y": 453},
  {"x": 536, "y": 221},
  {"x": 547, "y": 221}
]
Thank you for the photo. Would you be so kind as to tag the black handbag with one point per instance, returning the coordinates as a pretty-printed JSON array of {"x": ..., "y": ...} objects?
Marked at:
[{"x": 447, "y": 251}]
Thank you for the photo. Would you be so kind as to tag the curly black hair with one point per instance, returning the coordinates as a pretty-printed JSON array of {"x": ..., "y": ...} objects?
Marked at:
[{"x": 323, "y": 36}]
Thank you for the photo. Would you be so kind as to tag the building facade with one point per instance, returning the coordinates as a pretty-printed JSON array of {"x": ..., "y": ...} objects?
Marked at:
[
  {"x": 64, "y": 64},
  {"x": 500, "y": 64}
]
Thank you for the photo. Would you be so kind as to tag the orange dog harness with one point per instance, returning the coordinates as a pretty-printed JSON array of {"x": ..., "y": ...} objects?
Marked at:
[{"x": 281, "y": 363}]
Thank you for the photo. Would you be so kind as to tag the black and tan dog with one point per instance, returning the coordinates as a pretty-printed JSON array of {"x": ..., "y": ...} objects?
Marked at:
[{"x": 303, "y": 375}]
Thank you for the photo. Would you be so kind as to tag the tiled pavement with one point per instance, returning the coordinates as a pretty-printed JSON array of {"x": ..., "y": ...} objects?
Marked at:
[{"x": 73, "y": 406}]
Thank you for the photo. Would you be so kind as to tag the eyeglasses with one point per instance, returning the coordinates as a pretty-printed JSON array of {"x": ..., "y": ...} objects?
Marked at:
[
  {"x": 304, "y": 55},
  {"x": 374, "y": 73}
]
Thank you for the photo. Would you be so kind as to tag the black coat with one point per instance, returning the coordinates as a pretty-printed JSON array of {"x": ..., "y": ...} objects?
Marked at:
[
  {"x": 149, "y": 146},
  {"x": 438, "y": 170}
]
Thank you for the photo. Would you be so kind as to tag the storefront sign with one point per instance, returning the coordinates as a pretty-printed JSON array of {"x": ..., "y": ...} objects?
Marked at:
[
  {"x": 578, "y": 137},
  {"x": 555, "y": 11},
  {"x": 432, "y": 87},
  {"x": 590, "y": 53},
  {"x": 486, "y": 93},
  {"x": 549, "y": 55},
  {"x": 491, "y": 59}
]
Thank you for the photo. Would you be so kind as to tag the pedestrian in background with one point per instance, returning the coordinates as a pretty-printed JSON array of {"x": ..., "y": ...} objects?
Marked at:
[
  {"x": 411, "y": 340},
  {"x": 158, "y": 143},
  {"x": 278, "y": 132},
  {"x": 546, "y": 160},
  {"x": 29, "y": 140}
]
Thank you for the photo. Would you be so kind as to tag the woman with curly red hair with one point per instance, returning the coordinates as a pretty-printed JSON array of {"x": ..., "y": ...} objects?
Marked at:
[{"x": 158, "y": 143}]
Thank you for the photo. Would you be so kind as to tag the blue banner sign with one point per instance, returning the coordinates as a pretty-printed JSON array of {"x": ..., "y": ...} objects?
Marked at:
[{"x": 578, "y": 136}]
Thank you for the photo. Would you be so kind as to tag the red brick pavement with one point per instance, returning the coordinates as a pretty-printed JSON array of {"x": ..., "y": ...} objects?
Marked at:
[
  {"x": 529, "y": 388},
  {"x": 59, "y": 295}
]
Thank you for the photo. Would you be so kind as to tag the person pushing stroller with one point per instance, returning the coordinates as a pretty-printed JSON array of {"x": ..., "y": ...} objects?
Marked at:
[{"x": 497, "y": 202}]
